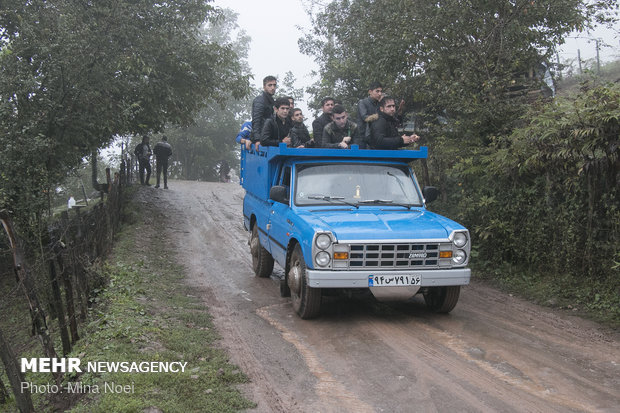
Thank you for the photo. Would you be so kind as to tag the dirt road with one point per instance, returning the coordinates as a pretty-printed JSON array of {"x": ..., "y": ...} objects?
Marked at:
[{"x": 494, "y": 352}]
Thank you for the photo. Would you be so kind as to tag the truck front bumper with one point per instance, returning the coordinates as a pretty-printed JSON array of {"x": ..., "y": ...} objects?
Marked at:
[{"x": 359, "y": 279}]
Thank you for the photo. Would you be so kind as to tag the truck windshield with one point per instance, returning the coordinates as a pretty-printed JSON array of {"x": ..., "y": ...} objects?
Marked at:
[{"x": 355, "y": 184}]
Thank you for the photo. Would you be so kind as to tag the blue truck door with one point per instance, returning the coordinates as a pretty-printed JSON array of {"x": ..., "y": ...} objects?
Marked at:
[{"x": 279, "y": 224}]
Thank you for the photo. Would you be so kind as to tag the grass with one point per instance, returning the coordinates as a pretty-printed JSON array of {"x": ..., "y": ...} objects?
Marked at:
[
  {"x": 146, "y": 313},
  {"x": 598, "y": 300}
]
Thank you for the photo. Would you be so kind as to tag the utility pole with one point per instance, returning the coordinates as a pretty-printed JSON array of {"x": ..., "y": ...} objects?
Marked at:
[
  {"x": 579, "y": 60},
  {"x": 598, "y": 60}
]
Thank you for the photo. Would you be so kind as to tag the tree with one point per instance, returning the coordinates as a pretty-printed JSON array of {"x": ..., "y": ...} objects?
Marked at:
[
  {"x": 74, "y": 74},
  {"x": 210, "y": 138},
  {"x": 469, "y": 59}
]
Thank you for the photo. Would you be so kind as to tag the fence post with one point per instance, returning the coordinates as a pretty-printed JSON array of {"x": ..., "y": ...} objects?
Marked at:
[
  {"x": 58, "y": 308},
  {"x": 37, "y": 313},
  {"x": 23, "y": 399}
]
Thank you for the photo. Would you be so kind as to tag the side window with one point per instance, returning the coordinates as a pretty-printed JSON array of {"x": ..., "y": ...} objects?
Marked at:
[{"x": 285, "y": 179}]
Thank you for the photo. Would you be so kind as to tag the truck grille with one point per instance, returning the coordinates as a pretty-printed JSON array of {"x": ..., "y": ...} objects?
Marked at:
[{"x": 393, "y": 256}]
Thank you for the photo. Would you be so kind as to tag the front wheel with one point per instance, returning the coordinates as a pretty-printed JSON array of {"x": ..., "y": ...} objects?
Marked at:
[
  {"x": 262, "y": 261},
  {"x": 442, "y": 299},
  {"x": 306, "y": 300}
]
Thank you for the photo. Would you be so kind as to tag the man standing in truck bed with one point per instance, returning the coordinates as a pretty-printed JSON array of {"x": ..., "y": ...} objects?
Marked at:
[
  {"x": 277, "y": 128},
  {"x": 384, "y": 131},
  {"x": 262, "y": 108},
  {"x": 341, "y": 132}
]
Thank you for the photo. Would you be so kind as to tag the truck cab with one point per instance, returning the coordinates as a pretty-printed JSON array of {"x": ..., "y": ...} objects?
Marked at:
[{"x": 337, "y": 219}]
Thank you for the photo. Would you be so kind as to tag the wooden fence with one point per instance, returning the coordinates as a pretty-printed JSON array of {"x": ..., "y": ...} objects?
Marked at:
[{"x": 56, "y": 280}]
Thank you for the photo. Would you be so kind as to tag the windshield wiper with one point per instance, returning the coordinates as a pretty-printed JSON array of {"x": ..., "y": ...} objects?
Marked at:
[
  {"x": 402, "y": 187},
  {"x": 384, "y": 201},
  {"x": 333, "y": 199}
]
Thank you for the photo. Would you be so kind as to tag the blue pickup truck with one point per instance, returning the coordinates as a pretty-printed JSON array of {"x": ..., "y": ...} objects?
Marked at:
[{"x": 348, "y": 220}]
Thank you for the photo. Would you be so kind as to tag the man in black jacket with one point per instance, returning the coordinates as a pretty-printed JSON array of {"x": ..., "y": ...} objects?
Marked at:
[
  {"x": 162, "y": 151},
  {"x": 262, "y": 108},
  {"x": 368, "y": 109},
  {"x": 384, "y": 131},
  {"x": 300, "y": 137},
  {"x": 277, "y": 128},
  {"x": 143, "y": 153},
  {"x": 327, "y": 105},
  {"x": 340, "y": 133}
]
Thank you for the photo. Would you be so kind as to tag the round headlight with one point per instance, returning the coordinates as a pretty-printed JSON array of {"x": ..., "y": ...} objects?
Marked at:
[
  {"x": 460, "y": 239},
  {"x": 459, "y": 257},
  {"x": 323, "y": 241},
  {"x": 322, "y": 258}
]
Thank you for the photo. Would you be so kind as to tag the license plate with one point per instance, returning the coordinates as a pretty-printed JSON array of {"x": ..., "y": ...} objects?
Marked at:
[{"x": 393, "y": 280}]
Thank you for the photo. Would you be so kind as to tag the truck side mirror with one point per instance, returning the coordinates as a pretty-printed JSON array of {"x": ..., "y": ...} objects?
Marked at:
[
  {"x": 279, "y": 194},
  {"x": 430, "y": 193}
]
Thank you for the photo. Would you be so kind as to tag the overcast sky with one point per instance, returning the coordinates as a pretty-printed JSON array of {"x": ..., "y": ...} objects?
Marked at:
[
  {"x": 272, "y": 25},
  {"x": 274, "y": 51}
]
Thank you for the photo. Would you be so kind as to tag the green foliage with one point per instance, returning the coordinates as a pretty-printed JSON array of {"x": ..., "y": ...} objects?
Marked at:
[
  {"x": 546, "y": 197},
  {"x": 74, "y": 74},
  {"x": 199, "y": 147},
  {"x": 473, "y": 60},
  {"x": 536, "y": 182}
]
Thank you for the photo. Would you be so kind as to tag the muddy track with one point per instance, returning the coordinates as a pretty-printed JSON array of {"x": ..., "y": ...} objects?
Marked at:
[{"x": 494, "y": 352}]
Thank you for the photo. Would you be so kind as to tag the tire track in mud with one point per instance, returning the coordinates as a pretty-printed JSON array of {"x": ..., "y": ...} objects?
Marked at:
[
  {"x": 493, "y": 353},
  {"x": 334, "y": 393}
]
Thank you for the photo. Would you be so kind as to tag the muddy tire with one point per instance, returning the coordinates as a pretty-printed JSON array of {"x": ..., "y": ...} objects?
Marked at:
[
  {"x": 262, "y": 261},
  {"x": 306, "y": 300},
  {"x": 442, "y": 299}
]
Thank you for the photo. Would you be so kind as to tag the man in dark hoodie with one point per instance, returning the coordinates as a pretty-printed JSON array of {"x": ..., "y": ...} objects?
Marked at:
[
  {"x": 327, "y": 105},
  {"x": 262, "y": 108},
  {"x": 277, "y": 128},
  {"x": 300, "y": 137},
  {"x": 384, "y": 130}
]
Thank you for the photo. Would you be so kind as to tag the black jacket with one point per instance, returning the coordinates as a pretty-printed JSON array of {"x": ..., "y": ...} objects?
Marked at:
[
  {"x": 162, "y": 151},
  {"x": 332, "y": 135},
  {"x": 274, "y": 131},
  {"x": 299, "y": 134},
  {"x": 384, "y": 133},
  {"x": 262, "y": 109},
  {"x": 365, "y": 108},
  {"x": 143, "y": 152},
  {"x": 318, "y": 125}
]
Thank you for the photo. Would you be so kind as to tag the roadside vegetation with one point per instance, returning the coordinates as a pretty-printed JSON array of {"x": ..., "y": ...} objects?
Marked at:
[
  {"x": 535, "y": 178},
  {"x": 147, "y": 313}
]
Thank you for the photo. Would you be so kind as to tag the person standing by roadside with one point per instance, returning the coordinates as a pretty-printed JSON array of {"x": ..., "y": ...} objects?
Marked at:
[
  {"x": 162, "y": 151},
  {"x": 143, "y": 153},
  {"x": 262, "y": 108}
]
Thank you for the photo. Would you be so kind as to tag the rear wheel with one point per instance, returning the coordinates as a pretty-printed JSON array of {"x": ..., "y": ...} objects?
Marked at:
[
  {"x": 262, "y": 261},
  {"x": 442, "y": 299},
  {"x": 306, "y": 300}
]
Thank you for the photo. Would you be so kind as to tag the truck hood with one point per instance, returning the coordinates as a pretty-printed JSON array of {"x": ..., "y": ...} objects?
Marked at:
[{"x": 381, "y": 224}]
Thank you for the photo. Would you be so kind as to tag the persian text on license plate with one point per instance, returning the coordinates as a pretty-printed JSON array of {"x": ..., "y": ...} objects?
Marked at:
[{"x": 393, "y": 280}]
